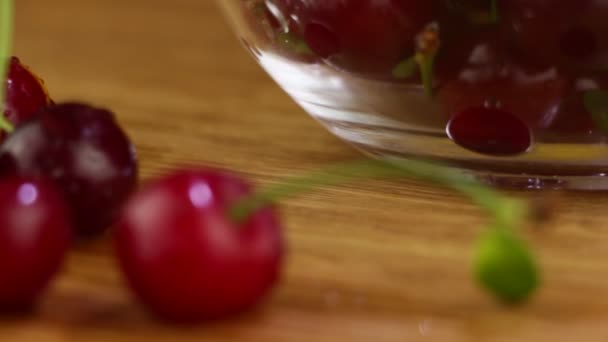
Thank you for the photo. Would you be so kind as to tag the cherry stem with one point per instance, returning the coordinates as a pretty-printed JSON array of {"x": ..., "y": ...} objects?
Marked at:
[
  {"x": 426, "y": 63},
  {"x": 7, "y": 9},
  {"x": 294, "y": 44},
  {"x": 494, "y": 16},
  {"x": 427, "y": 46},
  {"x": 596, "y": 103},
  {"x": 506, "y": 211}
]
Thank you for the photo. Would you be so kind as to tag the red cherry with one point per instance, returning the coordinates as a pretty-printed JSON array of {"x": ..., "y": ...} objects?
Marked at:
[
  {"x": 588, "y": 41},
  {"x": 362, "y": 36},
  {"x": 25, "y": 93},
  {"x": 34, "y": 237},
  {"x": 482, "y": 72},
  {"x": 321, "y": 40},
  {"x": 567, "y": 34},
  {"x": 85, "y": 152},
  {"x": 578, "y": 43},
  {"x": 185, "y": 259},
  {"x": 490, "y": 131}
]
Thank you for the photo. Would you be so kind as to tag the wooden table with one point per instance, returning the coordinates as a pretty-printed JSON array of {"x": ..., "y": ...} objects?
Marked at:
[{"x": 380, "y": 261}]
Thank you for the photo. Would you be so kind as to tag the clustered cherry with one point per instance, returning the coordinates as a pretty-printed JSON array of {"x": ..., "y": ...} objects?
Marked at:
[
  {"x": 531, "y": 60},
  {"x": 69, "y": 172}
]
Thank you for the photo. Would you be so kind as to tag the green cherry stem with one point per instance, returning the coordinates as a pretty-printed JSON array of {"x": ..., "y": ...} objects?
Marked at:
[
  {"x": 494, "y": 13},
  {"x": 505, "y": 211},
  {"x": 406, "y": 68},
  {"x": 427, "y": 47},
  {"x": 290, "y": 42},
  {"x": 596, "y": 103},
  {"x": 503, "y": 263},
  {"x": 6, "y": 34},
  {"x": 426, "y": 63}
]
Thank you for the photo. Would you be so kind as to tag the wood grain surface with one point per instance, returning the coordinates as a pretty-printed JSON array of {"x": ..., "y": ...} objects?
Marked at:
[{"x": 372, "y": 261}]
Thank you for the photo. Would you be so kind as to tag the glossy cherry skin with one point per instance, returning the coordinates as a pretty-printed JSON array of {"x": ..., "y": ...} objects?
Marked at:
[
  {"x": 564, "y": 33},
  {"x": 25, "y": 93},
  {"x": 361, "y": 36},
  {"x": 35, "y": 233},
  {"x": 185, "y": 259},
  {"x": 490, "y": 131},
  {"x": 481, "y": 72},
  {"x": 85, "y": 152}
]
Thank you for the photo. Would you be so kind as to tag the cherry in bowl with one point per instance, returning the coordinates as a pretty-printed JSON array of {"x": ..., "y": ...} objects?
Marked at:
[{"x": 391, "y": 75}]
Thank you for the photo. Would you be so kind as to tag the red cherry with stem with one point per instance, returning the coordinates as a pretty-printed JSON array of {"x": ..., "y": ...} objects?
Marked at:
[
  {"x": 185, "y": 258},
  {"x": 198, "y": 244},
  {"x": 85, "y": 152},
  {"x": 35, "y": 233},
  {"x": 362, "y": 36}
]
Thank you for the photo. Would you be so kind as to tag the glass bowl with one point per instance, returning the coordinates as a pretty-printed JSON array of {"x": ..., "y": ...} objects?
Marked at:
[{"x": 511, "y": 91}]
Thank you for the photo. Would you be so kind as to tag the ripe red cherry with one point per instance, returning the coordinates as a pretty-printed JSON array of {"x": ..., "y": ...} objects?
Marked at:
[
  {"x": 34, "y": 237},
  {"x": 482, "y": 72},
  {"x": 85, "y": 152},
  {"x": 185, "y": 259},
  {"x": 552, "y": 33},
  {"x": 362, "y": 36},
  {"x": 490, "y": 131},
  {"x": 25, "y": 93}
]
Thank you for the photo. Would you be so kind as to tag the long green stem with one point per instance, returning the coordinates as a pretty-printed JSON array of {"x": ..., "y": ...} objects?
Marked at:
[
  {"x": 502, "y": 209},
  {"x": 7, "y": 9},
  {"x": 503, "y": 263}
]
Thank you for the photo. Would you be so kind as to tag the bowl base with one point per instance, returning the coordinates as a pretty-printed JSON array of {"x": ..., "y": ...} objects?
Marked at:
[
  {"x": 548, "y": 166},
  {"x": 512, "y": 180}
]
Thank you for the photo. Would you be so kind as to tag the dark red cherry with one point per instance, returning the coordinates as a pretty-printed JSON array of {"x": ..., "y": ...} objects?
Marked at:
[
  {"x": 588, "y": 41},
  {"x": 476, "y": 12},
  {"x": 564, "y": 33},
  {"x": 85, "y": 152},
  {"x": 490, "y": 131},
  {"x": 482, "y": 72},
  {"x": 322, "y": 40},
  {"x": 362, "y": 36},
  {"x": 578, "y": 42},
  {"x": 185, "y": 258},
  {"x": 35, "y": 233},
  {"x": 25, "y": 93}
]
